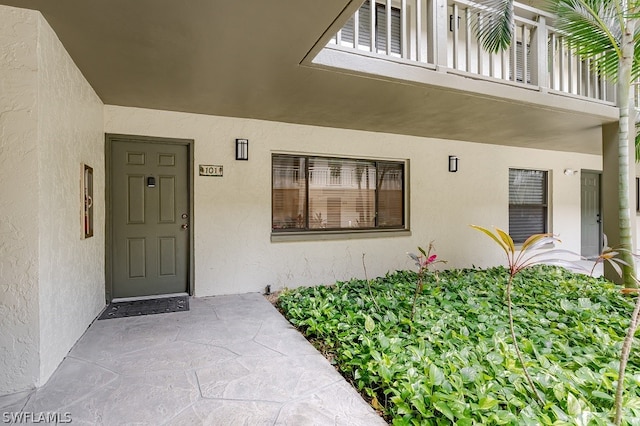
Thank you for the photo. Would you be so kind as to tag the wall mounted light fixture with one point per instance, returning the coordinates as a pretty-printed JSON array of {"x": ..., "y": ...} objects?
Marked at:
[
  {"x": 453, "y": 163},
  {"x": 570, "y": 172},
  {"x": 451, "y": 22},
  {"x": 242, "y": 149}
]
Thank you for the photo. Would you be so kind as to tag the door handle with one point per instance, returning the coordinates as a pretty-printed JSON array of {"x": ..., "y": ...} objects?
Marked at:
[{"x": 185, "y": 226}]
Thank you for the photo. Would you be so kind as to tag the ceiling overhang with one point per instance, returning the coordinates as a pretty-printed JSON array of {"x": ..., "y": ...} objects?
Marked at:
[{"x": 247, "y": 59}]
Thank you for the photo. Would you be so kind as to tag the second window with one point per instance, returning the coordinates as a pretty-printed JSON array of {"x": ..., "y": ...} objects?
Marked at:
[{"x": 527, "y": 203}]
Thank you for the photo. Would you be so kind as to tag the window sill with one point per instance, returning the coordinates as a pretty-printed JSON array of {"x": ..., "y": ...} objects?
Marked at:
[
  {"x": 280, "y": 237},
  {"x": 547, "y": 246}
]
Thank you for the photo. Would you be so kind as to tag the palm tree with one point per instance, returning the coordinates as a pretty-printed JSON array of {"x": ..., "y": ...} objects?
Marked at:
[{"x": 604, "y": 31}]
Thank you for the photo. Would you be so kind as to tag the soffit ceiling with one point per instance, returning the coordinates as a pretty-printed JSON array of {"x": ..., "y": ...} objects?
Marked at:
[{"x": 243, "y": 59}]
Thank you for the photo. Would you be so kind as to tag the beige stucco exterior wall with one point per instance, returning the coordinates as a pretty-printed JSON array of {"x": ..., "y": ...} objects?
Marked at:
[
  {"x": 70, "y": 132},
  {"x": 232, "y": 223},
  {"x": 51, "y": 281},
  {"x": 19, "y": 272},
  {"x": 635, "y": 215}
]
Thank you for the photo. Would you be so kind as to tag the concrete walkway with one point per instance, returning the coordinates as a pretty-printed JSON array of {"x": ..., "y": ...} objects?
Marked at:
[{"x": 230, "y": 360}]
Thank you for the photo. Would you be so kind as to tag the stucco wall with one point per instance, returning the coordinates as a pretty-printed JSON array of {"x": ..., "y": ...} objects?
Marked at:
[
  {"x": 70, "y": 132},
  {"x": 233, "y": 249},
  {"x": 19, "y": 336},
  {"x": 51, "y": 281}
]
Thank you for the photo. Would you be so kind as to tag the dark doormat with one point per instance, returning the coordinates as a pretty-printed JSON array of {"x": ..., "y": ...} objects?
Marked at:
[{"x": 136, "y": 308}]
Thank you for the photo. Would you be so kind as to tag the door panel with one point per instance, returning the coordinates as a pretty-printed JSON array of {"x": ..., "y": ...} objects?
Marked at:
[
  {"x": 135, "y": 199},
  {"x": 167, "y": 201},
  {"x": 591, "y": 223},
  {"x": 168, "y": 256},
  {"x": 136, "y": 258},
  {"x": 150, "y": 245}
]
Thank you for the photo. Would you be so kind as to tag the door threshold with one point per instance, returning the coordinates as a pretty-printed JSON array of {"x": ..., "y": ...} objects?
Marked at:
[{"x": 153, "y": 296}]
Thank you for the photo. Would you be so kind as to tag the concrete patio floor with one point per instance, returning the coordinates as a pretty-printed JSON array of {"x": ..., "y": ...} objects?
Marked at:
[{"x": 230, "y": 360}]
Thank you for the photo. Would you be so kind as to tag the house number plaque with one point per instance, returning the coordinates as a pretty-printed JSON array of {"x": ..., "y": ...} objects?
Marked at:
[{"x": 206, "y": 170}]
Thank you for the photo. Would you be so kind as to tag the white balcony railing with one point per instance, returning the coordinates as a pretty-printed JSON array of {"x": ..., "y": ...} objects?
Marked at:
[{"x": 419, "y": 31}]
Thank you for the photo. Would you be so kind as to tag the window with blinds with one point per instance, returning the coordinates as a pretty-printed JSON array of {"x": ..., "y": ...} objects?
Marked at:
[
  {"x": 520, "y": 63},
  {"x": 320, "y": 193},
  {"x": 380, "y": 27},
  {"x": 527, "y": 203}
]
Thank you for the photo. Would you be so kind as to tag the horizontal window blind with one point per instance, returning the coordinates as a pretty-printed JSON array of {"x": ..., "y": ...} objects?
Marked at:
[
  {"x": 289, "y": 192},
  {"x": 390, "y": 194},
  {"x": 341, "y": 193},
  {"x": 520, "y": 62},
  {"x": 527, "y": 203},
  {"x": 525, "y": 221},
  {"x": 381, "y": 29},
  {"x": 321, "y": 193},
  {"x": 364, "y": 28}
]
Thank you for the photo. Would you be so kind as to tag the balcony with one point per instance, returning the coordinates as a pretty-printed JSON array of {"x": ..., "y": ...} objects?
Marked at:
[{"x": 436, "y": 36}]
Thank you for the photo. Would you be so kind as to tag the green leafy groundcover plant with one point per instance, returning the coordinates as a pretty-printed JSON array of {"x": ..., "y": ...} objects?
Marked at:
[{"x": 455, "y": 362}]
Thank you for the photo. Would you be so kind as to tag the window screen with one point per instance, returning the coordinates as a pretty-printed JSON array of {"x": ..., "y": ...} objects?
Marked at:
[
  {"x": 527, "y": 203},
  {"x": 323, "y": 193}
]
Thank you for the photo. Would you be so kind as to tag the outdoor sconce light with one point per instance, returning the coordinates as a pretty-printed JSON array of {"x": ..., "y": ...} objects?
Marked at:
[
  {"x": 453, "y": 163},
  {"x": 242, "y": 149},
  {"x": 451, "y": 22},
  {"x": 570, "y": 172}
]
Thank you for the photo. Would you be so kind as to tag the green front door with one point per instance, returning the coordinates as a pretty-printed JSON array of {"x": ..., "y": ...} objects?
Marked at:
[
  {"x": 149, "y": 218},
  {"x": 590, "y": 219}
]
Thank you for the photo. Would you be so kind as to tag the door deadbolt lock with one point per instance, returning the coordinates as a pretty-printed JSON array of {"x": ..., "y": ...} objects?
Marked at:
[
  {"x": 185, "y": 226},
  {"x": 185, "y": 216}
]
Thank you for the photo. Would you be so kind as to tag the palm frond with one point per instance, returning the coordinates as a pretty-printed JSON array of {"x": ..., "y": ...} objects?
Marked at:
[
  {"x": 592, "y": 29},
  {"x": 494, "y": 26}
]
